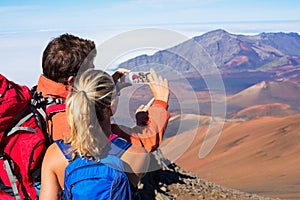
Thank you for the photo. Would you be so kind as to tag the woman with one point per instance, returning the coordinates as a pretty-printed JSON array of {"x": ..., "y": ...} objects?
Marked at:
[{"x": 89, "y": 109}]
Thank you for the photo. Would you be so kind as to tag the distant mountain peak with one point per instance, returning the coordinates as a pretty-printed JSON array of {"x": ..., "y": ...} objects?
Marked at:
[
  {"x": 218, "y": 31},
  {"x": 217, "y": 34},
  {"x": 291, "y": 34},
  {"x": 263, "y": 84},
  {"x": 267, "y": 92}
]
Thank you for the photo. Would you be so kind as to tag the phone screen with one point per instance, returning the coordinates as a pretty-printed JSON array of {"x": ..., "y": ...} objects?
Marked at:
[{"x": 137, "y": 77}]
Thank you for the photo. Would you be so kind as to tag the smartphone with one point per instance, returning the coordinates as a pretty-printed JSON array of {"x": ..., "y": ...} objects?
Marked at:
[{"x": 137, "y": 77}]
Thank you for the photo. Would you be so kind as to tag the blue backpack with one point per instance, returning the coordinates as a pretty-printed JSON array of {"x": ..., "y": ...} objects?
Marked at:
[{"x": 104, "y": 179}]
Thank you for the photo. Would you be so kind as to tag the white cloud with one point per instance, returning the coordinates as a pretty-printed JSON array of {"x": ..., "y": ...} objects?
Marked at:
[{"x": 9, "y": 9}]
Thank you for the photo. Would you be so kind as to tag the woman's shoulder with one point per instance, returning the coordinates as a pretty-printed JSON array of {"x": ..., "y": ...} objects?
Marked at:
[
  {"x": 53, "y": 149},
  {"x": 54, "y": 156}
]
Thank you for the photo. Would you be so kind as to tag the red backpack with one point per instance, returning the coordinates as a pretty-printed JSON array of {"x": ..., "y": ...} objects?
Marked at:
[{"x": 23, "y": 141}]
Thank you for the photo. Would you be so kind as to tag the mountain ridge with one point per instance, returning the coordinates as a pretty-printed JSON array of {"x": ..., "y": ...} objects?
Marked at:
[
  {"x": 222, "y": 47},
  {"x": 241, "y": 60}
]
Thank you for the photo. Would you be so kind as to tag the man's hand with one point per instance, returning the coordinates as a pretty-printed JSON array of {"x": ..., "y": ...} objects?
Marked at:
[
  {"x": 142, "y": 115},
  {"x": 145, "y": 108},
  {"x": 120, "y": 75},
  {"x": 159, "y": 86}
]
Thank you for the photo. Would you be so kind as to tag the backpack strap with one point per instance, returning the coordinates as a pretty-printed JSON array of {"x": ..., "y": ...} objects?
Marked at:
[
  {"x": 18, "y": 126},
  {"x": 51, "y": 105},
  {"x": 47, "y": 107},
  {"x": 65, "y": 149},
  {"x": 118, "y": 146},
  {"x": 12, "y": 178},
  {"x": 55, "y": 108}
]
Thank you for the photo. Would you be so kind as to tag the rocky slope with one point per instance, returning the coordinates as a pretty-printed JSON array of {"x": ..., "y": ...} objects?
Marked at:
[{"x": 171, "y": 182}]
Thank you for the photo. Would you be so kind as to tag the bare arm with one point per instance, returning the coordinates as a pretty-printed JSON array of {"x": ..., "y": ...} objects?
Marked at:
[
  {"x": 53, "y": 167},
  {"x": 136, "y": 161}
]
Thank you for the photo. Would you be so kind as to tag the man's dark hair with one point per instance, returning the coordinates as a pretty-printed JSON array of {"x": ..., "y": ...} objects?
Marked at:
[{"x": 64, "y": 56}]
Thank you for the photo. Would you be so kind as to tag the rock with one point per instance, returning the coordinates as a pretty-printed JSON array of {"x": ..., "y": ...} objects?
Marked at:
[{"x": 163, "y": 188}]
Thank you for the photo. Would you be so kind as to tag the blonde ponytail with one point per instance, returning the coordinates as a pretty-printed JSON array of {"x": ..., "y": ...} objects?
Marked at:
[{"x": 92, "y": 93}]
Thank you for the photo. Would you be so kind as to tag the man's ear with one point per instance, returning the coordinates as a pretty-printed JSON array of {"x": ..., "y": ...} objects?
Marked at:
[
  {"x": 71, "y": 80},
  {"x": 110, "y": 111}
]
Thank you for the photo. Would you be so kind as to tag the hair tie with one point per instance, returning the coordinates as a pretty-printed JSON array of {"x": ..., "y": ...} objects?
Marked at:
[{"x": 84, "y": 93}]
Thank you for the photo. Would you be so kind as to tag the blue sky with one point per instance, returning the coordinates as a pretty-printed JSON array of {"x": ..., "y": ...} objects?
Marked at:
[
  {"x": 32, "y": 15},
  {"x": 26, "y": 26}
]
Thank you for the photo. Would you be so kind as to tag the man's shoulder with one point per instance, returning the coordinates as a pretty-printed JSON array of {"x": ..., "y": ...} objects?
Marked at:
[{"x": 60, "y": 125}]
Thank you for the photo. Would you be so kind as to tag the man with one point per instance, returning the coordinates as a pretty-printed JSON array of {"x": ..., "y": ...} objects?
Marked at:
[
  {"x": 67, "y": 56},
  {"x": 62, "y": 59}
]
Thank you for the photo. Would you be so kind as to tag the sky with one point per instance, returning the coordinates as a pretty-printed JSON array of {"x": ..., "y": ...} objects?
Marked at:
[{"x": 27, "y": 26}]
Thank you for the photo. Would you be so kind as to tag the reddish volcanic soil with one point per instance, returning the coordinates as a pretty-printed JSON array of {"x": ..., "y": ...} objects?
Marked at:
[
  {"x": 259, "y": 156},
  {"x": 267, "y": 92},
  {"x": 237, "y": 61},
  {"x": 275, "y": 109}
]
